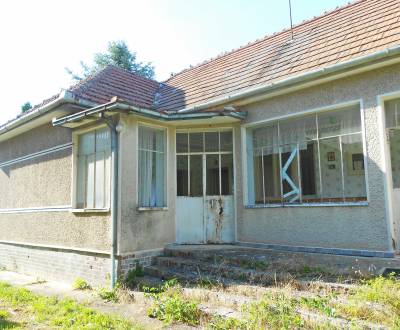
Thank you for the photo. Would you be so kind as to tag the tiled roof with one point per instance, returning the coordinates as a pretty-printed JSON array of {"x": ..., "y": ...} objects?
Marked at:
[
  {"x": 113, "y": 81},
  {"x": 358, "y": 29}
]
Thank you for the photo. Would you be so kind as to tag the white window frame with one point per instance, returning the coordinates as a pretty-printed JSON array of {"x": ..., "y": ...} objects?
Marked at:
[
  {"x": 301, "y": 114},
  {"x": 74, "y": 175},
  {"x": 166, "y": 161}
]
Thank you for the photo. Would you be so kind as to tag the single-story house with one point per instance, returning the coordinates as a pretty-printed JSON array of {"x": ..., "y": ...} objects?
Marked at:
[{"x": 290, "y": 142}]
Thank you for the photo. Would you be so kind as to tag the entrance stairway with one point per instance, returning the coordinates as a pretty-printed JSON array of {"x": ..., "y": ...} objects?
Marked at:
[{"x": 231, "y": 263}]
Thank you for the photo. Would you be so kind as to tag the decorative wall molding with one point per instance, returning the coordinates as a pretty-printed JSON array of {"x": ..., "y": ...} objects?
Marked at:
[{"x": 62, "y": 208}]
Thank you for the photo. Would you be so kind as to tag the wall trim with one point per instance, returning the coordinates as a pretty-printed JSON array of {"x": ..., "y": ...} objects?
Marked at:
[
  {"x": 57, "y": 248},
  {"x": 62, "y": 208},
  {"x": 322, "y": 250},
  {"x": 36, "y": 154}
]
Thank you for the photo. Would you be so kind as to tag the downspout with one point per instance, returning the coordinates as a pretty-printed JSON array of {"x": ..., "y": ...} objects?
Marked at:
[{"x": 115, "y": 130}]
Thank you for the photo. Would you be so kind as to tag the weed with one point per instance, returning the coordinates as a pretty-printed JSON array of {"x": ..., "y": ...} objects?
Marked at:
[
  {"x": 221, "y": 323},
  {"x": 274, "y": 312},
  {"x": 133, "y": 274},
  {"x": 109, "y": 294},
  {"x": 321, "y": 304},
  {"x": 4, "y": 315},
  {"x": 313, "y": 270},
  {"x": 81, "y": 284},
  {"x": 253, "y": 264},
  {"x": 61, "y": 314},
  {"x": 208, "y": 283}
]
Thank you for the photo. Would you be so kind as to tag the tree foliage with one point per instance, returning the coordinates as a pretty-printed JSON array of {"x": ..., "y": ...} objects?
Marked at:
[
  {"x": 26, "y": 106},
  {"x": 117, "y": 54}
]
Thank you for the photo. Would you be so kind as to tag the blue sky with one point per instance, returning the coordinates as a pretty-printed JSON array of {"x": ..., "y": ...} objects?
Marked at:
[{"x": 39, "y": 38}]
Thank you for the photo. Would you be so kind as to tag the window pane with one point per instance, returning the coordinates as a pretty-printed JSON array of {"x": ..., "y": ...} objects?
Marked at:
[
  {"x": 158, "y": 186},
  {"x": 298, "y": 130},
  {"x": 196, "y": 176},
  {"x": 395, "y": 157},
  {"x": 86, "y": 143},
  {"x": 309, "y": 169},
  {"x": 103, "y": 140},
  {"x": 211, "y": 140},
  {"x": 353, "y": 168},
  {"x": 99, "y": 181},
  {"x": 159, "y": 140},
  {"x": 272, "y": 181},
  {"x": 145, "y": 176},
  {"x": 90, "y": 179},
  {"x": 182, "y": 175},
  {"x": 331, "y": 170},
  {"x": 258, "y": 177},
  {"x": 344, "y": 121},
  {"x": 392, "y": 113},
  {"x": 107, "y": 178},
  {"x": 265, "y": 137},
  {"x": 196, "y": 143},
  {"x": 81, "y": 182},
  {"x": 290, "y": 174},
  {"x": 227, "y": 174},
  {"x": 226, "y": 141},
  {"x": 182, "y": 140},
  {"x": 212, "y": 175}
]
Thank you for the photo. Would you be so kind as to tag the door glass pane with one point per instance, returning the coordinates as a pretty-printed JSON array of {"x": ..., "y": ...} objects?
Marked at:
[
  {"x": 353, "y": 168},
  {"x": 309, "y": 169},
  {"x": 331, "y": 170},
  {"x": 227, "y": 174},
  {"x": 196, "y": 143},
  {"x": 182, "y": 175},
  {"x": 87, "y": 143},
  {"x": 392, "y": 113},
  {"x": 182, "y": 142},
  {"x": 196, "y": 175},
  {"x": 226, "y": 141},
  {"x": 212, "y": 175},
  {"x": 271, "y": 177},
  {"x": 290, "y": 174},
  {"x": 211, "y": 141}
]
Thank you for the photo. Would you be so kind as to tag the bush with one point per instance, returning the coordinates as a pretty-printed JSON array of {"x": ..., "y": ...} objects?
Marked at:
[{"x": 81, "y": 284}]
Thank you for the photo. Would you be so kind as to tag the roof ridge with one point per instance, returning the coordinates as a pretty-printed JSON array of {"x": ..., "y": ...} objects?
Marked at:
[{"x": 268, "y": 36}]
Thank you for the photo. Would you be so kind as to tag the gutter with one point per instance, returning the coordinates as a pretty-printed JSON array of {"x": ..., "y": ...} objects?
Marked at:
[
  {"x": 65, "y": 96},
  {"x": 381, "y": 55},
  {"x": 115, "y": 105}
]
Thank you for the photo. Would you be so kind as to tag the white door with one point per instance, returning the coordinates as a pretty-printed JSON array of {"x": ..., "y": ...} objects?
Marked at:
[{"x": 205, "y": 202}]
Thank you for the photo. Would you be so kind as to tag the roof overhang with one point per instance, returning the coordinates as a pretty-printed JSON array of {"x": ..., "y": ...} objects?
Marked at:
[
  {"x": 386, "y": 57},
  {"x": 115, "y": 106},
  {"x": 64, "y": 104}
]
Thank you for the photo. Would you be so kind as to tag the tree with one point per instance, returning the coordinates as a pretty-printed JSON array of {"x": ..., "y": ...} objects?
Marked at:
[
  {"x": 26, "y": 106},
  {"x": 117, "y": 54}
]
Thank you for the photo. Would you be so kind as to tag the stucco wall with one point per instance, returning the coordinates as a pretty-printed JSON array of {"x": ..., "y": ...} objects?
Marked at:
[
  {"x": 143, "y": 230},
  {"x": 361, "y": 227},
  {"x": 44, "y": 181}
]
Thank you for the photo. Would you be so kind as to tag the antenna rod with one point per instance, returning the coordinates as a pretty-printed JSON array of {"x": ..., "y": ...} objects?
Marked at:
[{"x": 291, "y": 23}]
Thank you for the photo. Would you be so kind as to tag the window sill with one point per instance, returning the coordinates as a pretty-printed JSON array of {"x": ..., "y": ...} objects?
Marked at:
[
  {"x": 149, "y": 208},
  {"x": 90, "y": 210},
  {"x": 266, "y": 206}
]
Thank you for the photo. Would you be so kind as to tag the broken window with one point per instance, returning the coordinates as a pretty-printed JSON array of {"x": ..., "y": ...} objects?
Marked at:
[
  {"x": 93, "y": 170},
  {"x": 313, "y": 159}
]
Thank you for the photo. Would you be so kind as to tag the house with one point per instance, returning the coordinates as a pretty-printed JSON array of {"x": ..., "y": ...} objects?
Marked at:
[{"x": 287, "y": 143}]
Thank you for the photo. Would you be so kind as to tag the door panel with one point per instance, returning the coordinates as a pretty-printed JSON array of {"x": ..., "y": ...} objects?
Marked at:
[
  {"x": 219, "y": 219},
  {"x": 190, "y": 220}
]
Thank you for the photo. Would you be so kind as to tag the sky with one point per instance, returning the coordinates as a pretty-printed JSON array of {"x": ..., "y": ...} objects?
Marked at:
[{"x": 38, "y": 39}]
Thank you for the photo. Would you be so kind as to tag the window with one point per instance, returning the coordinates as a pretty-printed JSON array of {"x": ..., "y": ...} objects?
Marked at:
[
  {"x": 313, "y": 159},
  {"x": 392, "y": 114},
  {"x": 152, "y": 164},
  {"x": 93, "y": 170},
  {"x": 208, "y": 151}
]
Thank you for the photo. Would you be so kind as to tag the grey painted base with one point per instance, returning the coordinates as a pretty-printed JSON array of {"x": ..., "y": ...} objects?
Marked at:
[{"x": 56, "y": 264}]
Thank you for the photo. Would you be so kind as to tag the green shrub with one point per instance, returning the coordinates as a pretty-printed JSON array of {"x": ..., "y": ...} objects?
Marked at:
[
  {"x": 81, "y": 284},
  {"x": 133, "y": 274}
]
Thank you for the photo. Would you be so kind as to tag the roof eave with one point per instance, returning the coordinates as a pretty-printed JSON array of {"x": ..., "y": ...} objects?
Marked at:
[{"x": 300, "y": 79}]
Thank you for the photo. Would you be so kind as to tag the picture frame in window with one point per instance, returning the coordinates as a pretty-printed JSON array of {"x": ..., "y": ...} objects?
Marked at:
[
  {"x": 355, "y": 163},
  {"x": 331, "y": 156}
]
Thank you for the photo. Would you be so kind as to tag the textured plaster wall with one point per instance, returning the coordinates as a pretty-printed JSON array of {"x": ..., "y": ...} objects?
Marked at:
[
  {"x": 143, "y": 230},
  {"x": 42, "y": 182},
  {"x": 361, "y": 227}
]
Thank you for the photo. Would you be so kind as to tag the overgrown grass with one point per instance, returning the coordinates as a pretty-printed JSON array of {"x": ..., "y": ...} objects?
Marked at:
[
  {"x": 63, "y": 314},
  {"x": 170, "y": 306}
]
